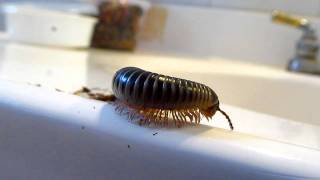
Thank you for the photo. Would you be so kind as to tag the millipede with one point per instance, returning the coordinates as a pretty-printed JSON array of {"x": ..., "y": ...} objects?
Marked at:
[{"x": 161, "y": 100}]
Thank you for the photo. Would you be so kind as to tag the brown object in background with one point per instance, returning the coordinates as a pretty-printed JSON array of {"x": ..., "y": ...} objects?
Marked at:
[
  {"x": 154, "y": 23},
  {"x": 117, "y": 26}
]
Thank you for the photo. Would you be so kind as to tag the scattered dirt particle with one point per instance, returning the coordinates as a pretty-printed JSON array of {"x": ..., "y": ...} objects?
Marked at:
[
  {"x": 95, "y": 95},
  {"x": 155, "y": 133},
  {"x": 82, "y": 90},
  {"x": 54, "y": 29},
  {"x": 59, "y": 90},
  {"x": 94, "y": 107},
  {"x": 86, "y": 90},
  {"x": 129, "y": 146},
  {"x": 32, "y": 84},
  {"x": 83, "y": 127}
]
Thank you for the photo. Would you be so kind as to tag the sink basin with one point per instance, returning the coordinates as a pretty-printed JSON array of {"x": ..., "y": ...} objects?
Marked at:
[
  {"x": 291, "y": 111},
  {"x": 55, "y": 135},
  {"x": 262, "y": 89},
  {"x": 289, "y": 96}
]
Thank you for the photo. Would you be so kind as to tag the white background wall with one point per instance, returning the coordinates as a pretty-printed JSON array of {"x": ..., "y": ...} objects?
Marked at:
[
  {"x": 237, "y": 35},
  {"x": 303, "y": 7},
  {"x": 199, "y": 28}
]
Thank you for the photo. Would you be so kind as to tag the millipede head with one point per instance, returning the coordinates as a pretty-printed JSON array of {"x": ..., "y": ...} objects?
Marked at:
[{"x": 211, "y": 111}]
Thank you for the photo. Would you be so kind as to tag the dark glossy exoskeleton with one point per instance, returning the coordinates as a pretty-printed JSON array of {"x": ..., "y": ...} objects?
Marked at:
[{"x": 160, "y": 99}]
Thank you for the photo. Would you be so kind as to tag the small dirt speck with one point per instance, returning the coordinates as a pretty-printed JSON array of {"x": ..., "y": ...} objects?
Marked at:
[
  {"x": 83, "y": 127},
  {"x": 54, "y": 29},
  {"x": 129, "y": 146},
  {"x": 94, "y": 107},
  {"x": 59, "y": 90},
  {"x": 155, "y": 133}
]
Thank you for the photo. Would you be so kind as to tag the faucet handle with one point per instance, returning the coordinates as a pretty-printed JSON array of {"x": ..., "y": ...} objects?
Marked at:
[
  {"x": 288, "y": 19},
  {"x": 307, "y": 46}
]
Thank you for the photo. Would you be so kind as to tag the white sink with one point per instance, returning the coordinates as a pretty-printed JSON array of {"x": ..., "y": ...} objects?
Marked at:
[
  {"x": 46, "y": 134},
  {"x": 286, "y": 95},
  {"x": 254, "y": 87},
  {"x": 289, "y": 103}
]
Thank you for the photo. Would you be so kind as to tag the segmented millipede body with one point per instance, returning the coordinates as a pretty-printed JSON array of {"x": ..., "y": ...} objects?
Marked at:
[{"x": 163, "y": 100}]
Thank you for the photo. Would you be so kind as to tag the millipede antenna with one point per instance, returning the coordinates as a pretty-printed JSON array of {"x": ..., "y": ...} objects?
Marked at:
[{"x": 227, "y": 116}]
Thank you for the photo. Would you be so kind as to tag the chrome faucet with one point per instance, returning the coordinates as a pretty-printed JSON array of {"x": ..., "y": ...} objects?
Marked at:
[{"x": 305, "y": 59}]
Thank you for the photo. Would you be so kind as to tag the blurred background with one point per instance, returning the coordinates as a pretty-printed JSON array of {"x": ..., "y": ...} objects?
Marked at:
[
  {"x": 259, "y": 56},
  {"x": 233, "y": 29}
]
